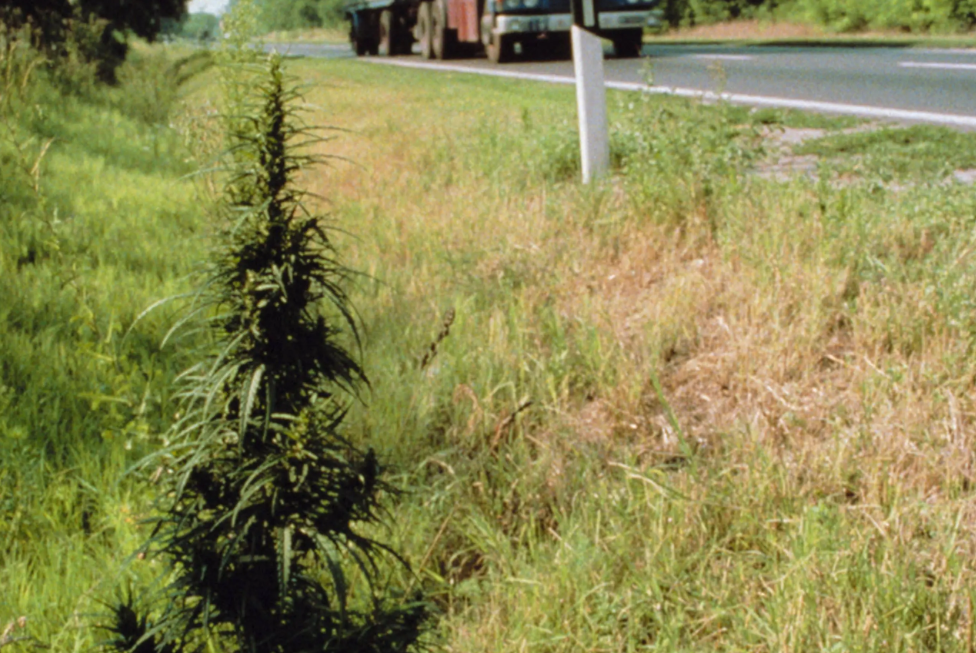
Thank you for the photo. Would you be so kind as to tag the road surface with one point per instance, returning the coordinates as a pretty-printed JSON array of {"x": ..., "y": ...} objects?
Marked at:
[{"x": 905, "y": 84}]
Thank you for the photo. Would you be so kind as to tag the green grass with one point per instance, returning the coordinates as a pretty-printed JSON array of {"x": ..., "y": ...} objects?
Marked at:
[
  {"x": 98, "y": 221},
  {"x": 917, "y": 152}
]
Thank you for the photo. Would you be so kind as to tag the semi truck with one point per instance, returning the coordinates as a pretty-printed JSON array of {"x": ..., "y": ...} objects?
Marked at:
[{"x": 503, "y": 28}]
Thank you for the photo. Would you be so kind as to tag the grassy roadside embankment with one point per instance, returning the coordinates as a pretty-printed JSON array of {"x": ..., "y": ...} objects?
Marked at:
[
  {"x": 689, "y": 409},
  {"x": 97, "y": 221},
  {"x": 692, "y": 408}
]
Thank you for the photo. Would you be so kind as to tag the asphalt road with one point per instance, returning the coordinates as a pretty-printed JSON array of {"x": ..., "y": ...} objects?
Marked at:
[{"x": 904, "y": 84}]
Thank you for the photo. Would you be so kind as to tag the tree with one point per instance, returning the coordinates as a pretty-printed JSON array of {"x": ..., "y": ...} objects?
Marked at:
[
  {"x": 120, "y": 18},
  {"x": 299, "y": 14},
  {"x": 46, "y": 16},
  {"x": 144, "y": 18},
  {"x": 115, "y": 21},
  {"x": 198, "y": 27},
  {"x": 262, "y": 511}
]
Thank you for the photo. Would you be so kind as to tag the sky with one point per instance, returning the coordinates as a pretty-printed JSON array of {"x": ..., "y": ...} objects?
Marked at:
[{"x": 208, "y": 6}]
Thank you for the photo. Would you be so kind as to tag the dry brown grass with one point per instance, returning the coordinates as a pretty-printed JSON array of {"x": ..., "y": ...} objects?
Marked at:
[
  {"x": 766, "y": 345},
  {"x": 773, "y": 347}
]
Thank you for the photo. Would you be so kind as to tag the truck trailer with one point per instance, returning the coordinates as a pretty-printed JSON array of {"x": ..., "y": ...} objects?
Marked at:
[{"x": 502, "y": 28}]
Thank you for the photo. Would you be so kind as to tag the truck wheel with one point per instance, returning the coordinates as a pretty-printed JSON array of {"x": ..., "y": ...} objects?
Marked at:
[
  {"x": 425, "y": 31},
  {"x": 359, "y": 46},
  {"x": 359, "y": 37},
  {"x": 363, "y": 46},
  {"x": 442, "y": 38},
  {"x": 562, "y": 46},
  {"x": 389, "y": 36},
  {"x": 629, "y": 43},
  {"x": 501, "y": 48}
]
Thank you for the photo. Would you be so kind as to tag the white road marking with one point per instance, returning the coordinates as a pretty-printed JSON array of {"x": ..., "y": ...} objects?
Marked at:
[
  {"x": 946, "y": 50},
  {"x": 862, "y": 111},
  {"x": 937, "y": 65},
  {"x": 725, "y": 57}
]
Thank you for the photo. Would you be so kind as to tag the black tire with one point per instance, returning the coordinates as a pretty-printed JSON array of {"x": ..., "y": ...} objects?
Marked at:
[
  {"x": 501, "y": 49},
  {"x": 556, "y": 47},
  {"x": 562, "y": 47},
  {"x": 628, "y": 44},
  {"x": 359, "y": 46},
  {"x": 359, "y": 39},
  {"x": 389, "y": 37},
  {"x": 442, "y": 38},
  {"x": 425, "y": 30}
]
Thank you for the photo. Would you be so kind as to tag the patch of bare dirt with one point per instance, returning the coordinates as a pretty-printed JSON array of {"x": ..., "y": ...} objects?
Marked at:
[
  {"x": 967, "y": 176},
  {"x": 782, "y": 164}
]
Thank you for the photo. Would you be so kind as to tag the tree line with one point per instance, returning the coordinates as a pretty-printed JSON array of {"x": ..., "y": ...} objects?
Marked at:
[
  {"x": 835, "y": 15},
  {"x": 274, "y": 15}
]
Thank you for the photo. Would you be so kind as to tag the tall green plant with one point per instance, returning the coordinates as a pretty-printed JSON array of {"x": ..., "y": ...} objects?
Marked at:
[{"x": 264, "y": 501}]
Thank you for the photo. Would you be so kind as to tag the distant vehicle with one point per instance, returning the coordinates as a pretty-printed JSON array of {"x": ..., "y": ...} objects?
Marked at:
[{"x": 451, "y": 28}]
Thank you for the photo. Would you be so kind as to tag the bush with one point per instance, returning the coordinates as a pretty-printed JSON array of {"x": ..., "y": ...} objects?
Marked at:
[
  {"x": 199, "y": 27},
  {"x": 703, "y": 12},
  {"x": 907, "y": 15}
]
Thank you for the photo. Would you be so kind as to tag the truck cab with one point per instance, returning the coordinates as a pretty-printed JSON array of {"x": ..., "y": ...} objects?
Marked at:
[{"x": 530, "y": 24}]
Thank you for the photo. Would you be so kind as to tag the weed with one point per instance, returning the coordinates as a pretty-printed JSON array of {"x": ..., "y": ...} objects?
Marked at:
[{"x": 263, "y": 519}]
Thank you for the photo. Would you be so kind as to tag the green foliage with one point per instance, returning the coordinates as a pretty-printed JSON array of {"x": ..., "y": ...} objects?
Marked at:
[
  {"x": 288, "y": 15},
  {"x": 907, "y": 15},
  {"x": 95, "y": 31},
  {"x": 93, "y": 202},
  {"x": 46, "y": 16},
  {"x": 200, "y": 27},
  {"x": 704, "y": 12},
  {"x": 241, "y": 28},
  {"x": 145, "y": 18},
  {"x": 838, "y": 15},
  {"x": 264, "y": 513}
]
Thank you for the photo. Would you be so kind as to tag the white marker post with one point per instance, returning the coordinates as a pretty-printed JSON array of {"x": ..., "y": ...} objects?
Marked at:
[{"x": 591, "y": 94}]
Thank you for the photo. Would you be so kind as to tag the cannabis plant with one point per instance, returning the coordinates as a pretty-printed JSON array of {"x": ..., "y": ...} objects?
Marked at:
[{"x": 265, "y": 502}]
